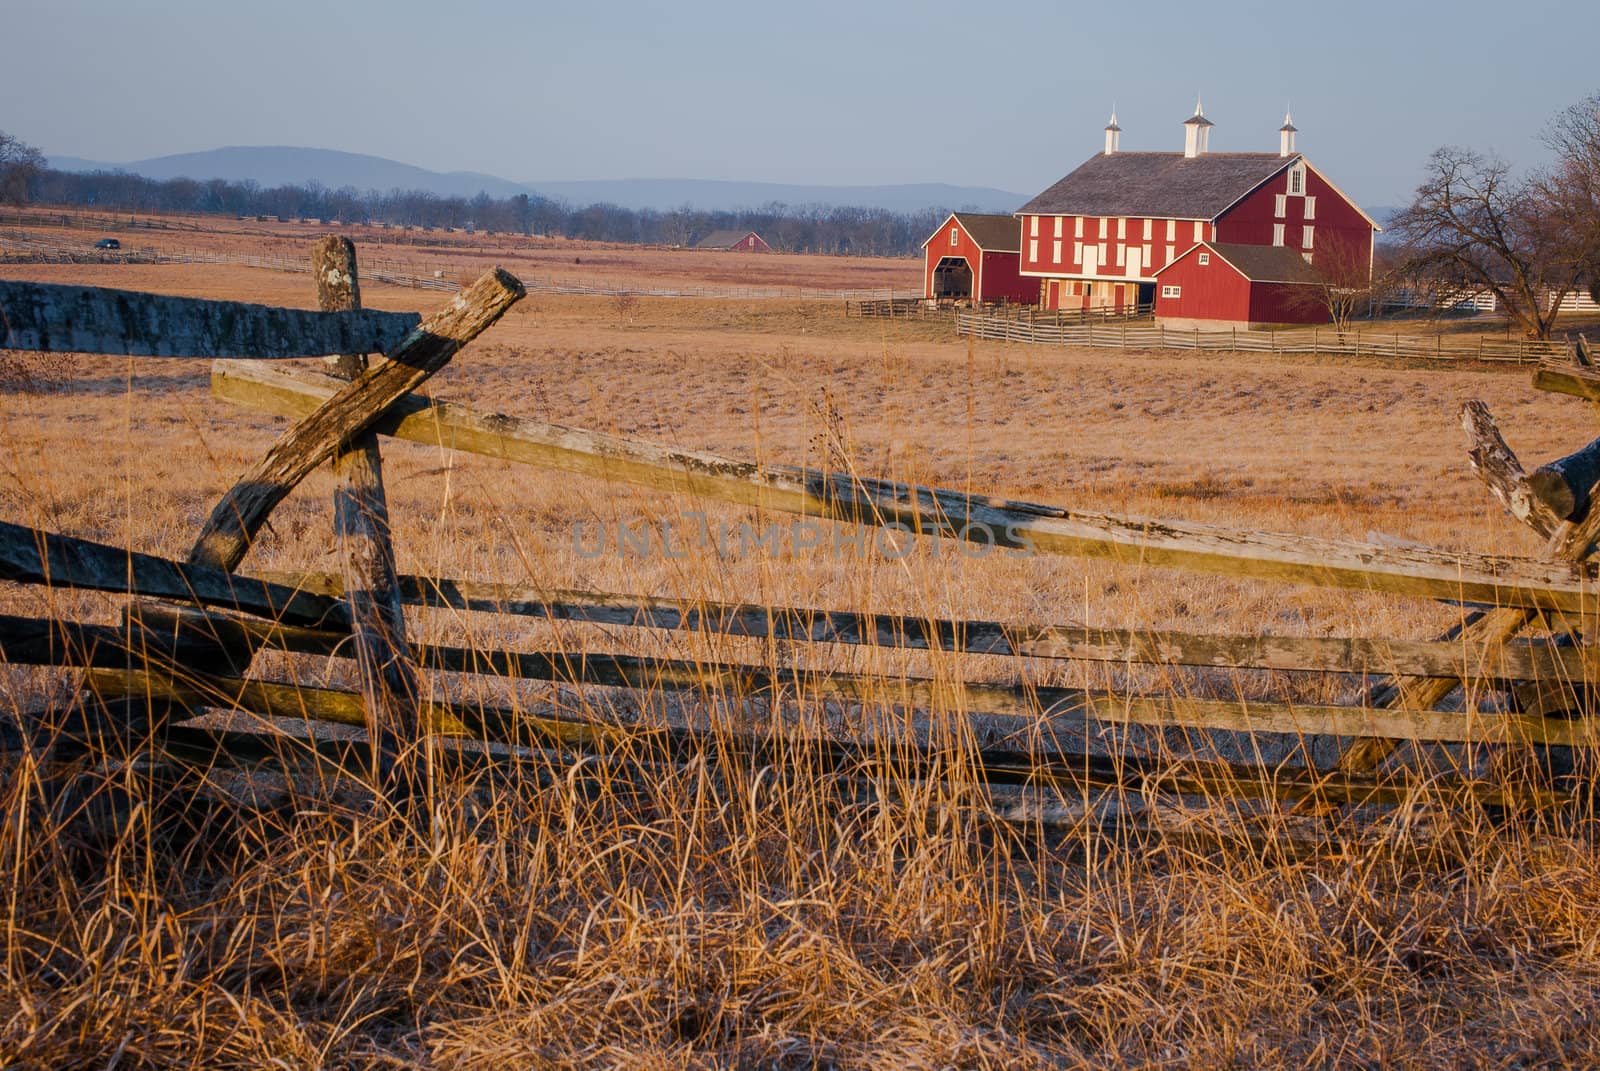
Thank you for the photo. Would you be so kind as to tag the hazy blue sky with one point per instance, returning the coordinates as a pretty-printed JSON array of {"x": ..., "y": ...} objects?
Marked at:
[{"x": 992, "y": 94}]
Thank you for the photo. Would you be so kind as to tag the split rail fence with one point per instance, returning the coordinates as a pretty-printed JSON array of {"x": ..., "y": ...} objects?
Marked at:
[
  {"x": 1508, "y": 676},
  {"x": 1312, "y": 340}
]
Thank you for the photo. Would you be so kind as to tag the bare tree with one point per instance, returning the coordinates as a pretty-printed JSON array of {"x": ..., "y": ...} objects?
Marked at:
[
  {"x": 18, "y": 163},
  {"x": 1474, "y": 226},
  {"x": 1572, "y": 183},
  {"x": 624, "y": 303},
  {"x": 1350, "y": 285}
]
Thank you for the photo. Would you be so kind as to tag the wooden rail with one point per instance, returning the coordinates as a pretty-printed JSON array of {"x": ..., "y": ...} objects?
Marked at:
[
  {"x": 1069, "y": 709},
  {"x": 1322, "y": 654},
  {"x": 994, "y": 522},
  {"x": 160, "y": 675},
  {"x": 83, "y": 319},
  {"x": 316, "y": 600}
]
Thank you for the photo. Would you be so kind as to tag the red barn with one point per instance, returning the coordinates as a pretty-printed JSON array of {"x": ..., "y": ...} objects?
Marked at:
[
  {"x": 973, "y": 257},
  {"x": 1221, "y": 285},
  {"x": 1099, "y": 236},
  {"x": 742, "y": 241}
]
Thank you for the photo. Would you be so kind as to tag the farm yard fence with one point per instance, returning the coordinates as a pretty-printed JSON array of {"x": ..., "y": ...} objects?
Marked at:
[
  {"x": 191, "y": 629},
  {"x": 1309, "y": 340},
  {"x": 917, "y": 308}
]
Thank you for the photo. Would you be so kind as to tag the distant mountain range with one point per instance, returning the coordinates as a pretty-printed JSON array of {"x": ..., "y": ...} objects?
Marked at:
[{"x": 285, "y": 165}]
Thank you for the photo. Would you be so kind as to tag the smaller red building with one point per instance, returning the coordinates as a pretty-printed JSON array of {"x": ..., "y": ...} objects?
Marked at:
[
  {"x": 741, "y": 241},
  {"x": 1222, "y": 285},
  {"x": 977, "y": 258}
]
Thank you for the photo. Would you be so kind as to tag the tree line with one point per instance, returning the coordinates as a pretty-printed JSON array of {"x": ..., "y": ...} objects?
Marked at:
[{"x": 828, "y": 229}]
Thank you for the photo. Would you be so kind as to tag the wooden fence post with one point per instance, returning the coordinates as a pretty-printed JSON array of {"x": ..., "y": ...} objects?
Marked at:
[
  {"x": 244, "y": 509},
  {"x": 1569, "y": 542},
  {"x": 387, "y": 671}
]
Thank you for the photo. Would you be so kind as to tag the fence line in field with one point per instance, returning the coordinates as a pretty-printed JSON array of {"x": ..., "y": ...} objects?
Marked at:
[
  {"x": 1312, "y": 340},
  {"x": 917, "y": 308}
]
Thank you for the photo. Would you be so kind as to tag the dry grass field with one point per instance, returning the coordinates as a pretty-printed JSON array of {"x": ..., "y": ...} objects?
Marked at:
[
  {"x": 572, "y": 262},
  {"x": 717, "y": 916}
]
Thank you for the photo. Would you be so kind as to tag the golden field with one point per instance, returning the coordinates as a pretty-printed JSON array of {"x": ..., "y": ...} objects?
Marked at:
[{"x": 716, "y": 916}]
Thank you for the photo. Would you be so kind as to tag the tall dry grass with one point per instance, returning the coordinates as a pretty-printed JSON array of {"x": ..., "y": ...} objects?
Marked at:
[{"x": 649, "y": 909}]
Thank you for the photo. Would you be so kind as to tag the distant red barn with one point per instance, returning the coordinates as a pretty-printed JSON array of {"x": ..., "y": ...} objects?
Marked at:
[
  {"x": 1221, "y": 285},
  {"x": 978, "y": 258},
  {"x": 741, "y": 241}
]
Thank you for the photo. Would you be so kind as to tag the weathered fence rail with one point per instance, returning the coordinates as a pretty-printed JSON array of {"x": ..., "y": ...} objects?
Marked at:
[
  {"x": 976, "y": 518},
  {"x": 195, "y": 648},
  {"x": 1314, "y": 340},
  {"x": 81, "y": 319}
]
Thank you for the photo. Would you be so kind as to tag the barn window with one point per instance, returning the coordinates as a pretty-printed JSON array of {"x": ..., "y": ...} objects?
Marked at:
[
  {"x": 1149, "y": 225},
  {"x": 1280, "y": 205},
  {"x": 1033, "y": 227},
  {"x": 1305, "y": 237},
  {"x": 1056, "y": 250},
  {"x": 1311, "y": 208},
  {"x": 1077, "y": 227},
  {"x": 1103, "y": 222},
  {"x": 1033, "y": 249},
  {"x": 1199, "y": 231},
  {"x": 1100, "y": 257},
  {"x": 1172, "y": 231},
  {"x": 1171, "y": 291},
  {"x": 1122, "y": 228},
  {"x": 1077, "y": 253},
  {"x": 1204, "y": 259},
  {"x": 955, "y": 236},
  {"x": 1172, "y": 251},
  {"x": 1144, "y": 255},
  {"x": 1058, "y": 229},
  {"x": 1121, "y": 255},
  {"x": 1297, "y": 180},
  {"x": 1277, "y": 234}
]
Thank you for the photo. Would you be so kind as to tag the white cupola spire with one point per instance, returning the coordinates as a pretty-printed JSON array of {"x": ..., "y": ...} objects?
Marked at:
[
  {"x": 1197, "y": 132},
  {"x": 1113, "y": 134},
  {"x": 1286, "y": 134}
]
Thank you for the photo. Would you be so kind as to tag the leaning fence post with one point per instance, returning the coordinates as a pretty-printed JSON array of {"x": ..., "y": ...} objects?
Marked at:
[
  {"x": 387, "y": 671},
  {"x": 236, "y": 519}
]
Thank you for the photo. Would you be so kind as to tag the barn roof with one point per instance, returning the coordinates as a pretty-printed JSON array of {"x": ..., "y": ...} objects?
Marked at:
[
  {"x": 1260, "y": 263},
  {"x": 723, "y": 239},
  {"x": 1158, "y": 185},
  {"x": 995, "y": 234}
]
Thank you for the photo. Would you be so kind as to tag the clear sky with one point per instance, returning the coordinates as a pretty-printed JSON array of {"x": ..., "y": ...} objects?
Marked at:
[{"x": 1009, "y": 95}]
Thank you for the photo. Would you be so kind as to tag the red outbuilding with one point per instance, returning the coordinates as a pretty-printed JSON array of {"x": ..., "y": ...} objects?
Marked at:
[
  {"x": 975, "y": 257},
  {"x": 740, "y": 241},
  {"x": 1214, "y": 285}
]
